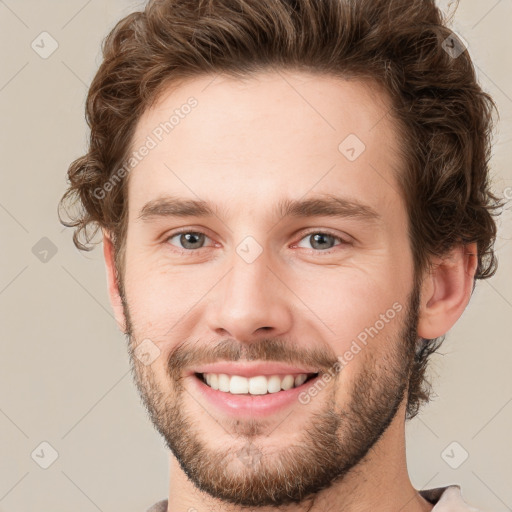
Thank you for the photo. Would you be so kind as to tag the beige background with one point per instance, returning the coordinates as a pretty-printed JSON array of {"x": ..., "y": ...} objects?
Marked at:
[{"x": 64, "y": 368}]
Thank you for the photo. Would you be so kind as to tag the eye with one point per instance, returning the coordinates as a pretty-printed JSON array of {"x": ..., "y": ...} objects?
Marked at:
[
  {"x": 322, "y": 241},
  {"x": 188, "y": 240}
]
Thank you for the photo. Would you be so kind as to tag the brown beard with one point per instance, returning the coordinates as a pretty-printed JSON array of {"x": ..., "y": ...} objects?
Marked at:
[{"x": 334, "y": 440}]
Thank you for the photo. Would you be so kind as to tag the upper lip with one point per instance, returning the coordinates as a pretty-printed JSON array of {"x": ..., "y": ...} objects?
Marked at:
[{"x": 251, "y": 369}]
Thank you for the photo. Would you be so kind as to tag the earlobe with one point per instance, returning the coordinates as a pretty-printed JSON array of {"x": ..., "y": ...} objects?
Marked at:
[
  {"x": 113, "y": 289},
  {"x": 446, "y": 290}
]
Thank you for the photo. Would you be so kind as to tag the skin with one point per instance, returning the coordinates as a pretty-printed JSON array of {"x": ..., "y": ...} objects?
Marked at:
[{"x": 247, "y": 145}]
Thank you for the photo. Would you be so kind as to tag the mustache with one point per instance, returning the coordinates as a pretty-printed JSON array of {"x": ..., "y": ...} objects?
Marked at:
[{"x": 188, "y": 354}]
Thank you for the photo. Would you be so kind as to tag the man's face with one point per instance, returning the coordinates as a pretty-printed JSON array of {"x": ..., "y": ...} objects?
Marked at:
[{"x": 268, "y": 294}]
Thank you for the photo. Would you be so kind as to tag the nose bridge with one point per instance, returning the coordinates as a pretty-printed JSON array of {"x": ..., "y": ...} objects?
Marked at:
[
  {"x": 250, "y": 271},
  {"x": 250, "y": 296}
]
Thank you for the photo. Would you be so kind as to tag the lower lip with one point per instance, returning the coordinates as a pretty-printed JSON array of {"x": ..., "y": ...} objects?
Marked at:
[{"x": 252, "y": 405}]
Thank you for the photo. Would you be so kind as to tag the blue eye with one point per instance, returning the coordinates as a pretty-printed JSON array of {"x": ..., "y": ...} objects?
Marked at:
[
  {"x": 321, "y": 241},
  {"x": 189, "y": 240}
]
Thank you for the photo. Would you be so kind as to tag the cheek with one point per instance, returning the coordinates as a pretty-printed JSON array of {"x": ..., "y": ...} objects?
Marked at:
[
  {"x": 166, "y": 306},
  {"x": 360, "y": 312},
  {"x": 159, "y": 295},
  {"x": 350, "y": 299}
]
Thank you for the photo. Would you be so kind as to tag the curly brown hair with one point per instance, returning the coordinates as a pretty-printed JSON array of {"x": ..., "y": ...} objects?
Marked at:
[{"x": 443, "y": 116}]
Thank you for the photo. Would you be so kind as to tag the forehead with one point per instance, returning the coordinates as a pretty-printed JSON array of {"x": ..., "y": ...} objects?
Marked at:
[{"x": 274, "y": 135}]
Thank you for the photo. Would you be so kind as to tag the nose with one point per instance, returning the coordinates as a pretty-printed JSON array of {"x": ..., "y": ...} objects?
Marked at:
[{"x": 252, "y": 301}]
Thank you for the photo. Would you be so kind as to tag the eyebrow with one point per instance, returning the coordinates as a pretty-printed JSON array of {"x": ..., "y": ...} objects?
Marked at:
[{"x": 325, "y": 205}]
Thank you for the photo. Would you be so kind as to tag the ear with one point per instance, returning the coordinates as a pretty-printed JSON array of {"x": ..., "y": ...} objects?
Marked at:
[
  {"x": 446, "y": 290},
  {"x": 113, "y": 290}
]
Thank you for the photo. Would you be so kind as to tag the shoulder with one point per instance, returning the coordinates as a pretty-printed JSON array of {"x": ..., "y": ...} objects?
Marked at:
[
  {"x": 161, "y": 506},
  {"x": 447, "y": 499}
]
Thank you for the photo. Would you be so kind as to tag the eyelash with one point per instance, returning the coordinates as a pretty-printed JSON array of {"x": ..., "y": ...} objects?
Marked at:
[{"x": 305, "y": 235}]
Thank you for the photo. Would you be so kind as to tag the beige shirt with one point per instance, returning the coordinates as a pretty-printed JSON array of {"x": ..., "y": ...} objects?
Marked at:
[{"x": 445, "y": 499}]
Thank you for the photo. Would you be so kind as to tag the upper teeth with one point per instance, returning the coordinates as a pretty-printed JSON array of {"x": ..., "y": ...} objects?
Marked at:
[{"x": 258, "y": 385}]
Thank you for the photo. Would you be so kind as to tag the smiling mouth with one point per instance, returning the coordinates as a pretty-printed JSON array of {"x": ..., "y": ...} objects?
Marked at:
[{"x": 257, "y": 385}]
